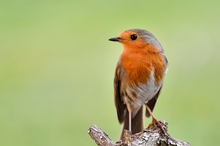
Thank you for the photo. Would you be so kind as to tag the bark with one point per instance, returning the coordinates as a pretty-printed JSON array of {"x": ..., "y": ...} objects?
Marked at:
[{"x": 154, "y": 135}]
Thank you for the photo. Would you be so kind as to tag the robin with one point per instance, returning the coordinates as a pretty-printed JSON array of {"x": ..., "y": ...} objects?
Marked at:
[{"x": 138, "y": 77}]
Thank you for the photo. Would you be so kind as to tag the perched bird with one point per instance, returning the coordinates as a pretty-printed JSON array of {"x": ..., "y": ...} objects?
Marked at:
[{"x": 138, "y": 78}]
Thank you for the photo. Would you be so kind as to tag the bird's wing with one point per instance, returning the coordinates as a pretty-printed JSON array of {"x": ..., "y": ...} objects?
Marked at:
[
  {"x": 120, "y": 106},
  {"x": 151, "y": 103}
]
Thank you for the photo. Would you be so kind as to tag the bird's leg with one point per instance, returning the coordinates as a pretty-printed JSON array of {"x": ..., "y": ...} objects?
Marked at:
[
  {"x": 155, "y": 121},
  {"x": 129, "y": 116},
  {"x": 153, "y": 118},
  {"x": 129, "y": 109}
]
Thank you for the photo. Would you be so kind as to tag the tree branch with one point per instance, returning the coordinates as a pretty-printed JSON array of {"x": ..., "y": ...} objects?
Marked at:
[{"x": 151, "y": 136}]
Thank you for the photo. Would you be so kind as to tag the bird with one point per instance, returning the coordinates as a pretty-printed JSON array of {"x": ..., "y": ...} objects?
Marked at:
[{"x": 139, "y": 77}]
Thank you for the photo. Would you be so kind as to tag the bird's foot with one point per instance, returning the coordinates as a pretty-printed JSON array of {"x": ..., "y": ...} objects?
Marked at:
[
  {"x": 159, "y": 124},
  {"x": 126, "y": 138}
]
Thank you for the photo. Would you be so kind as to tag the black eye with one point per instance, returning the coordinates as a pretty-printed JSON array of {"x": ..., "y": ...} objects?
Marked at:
[{"x": 134, "y": 36}]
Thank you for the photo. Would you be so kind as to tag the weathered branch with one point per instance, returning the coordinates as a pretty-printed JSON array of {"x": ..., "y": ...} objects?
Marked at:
[{"x": 152, "y": 136}]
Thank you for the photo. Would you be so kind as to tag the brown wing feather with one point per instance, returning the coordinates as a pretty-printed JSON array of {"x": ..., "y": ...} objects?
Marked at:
[
  {"x": 120, "y": 106},
  {"x": 151, "y": 103}
]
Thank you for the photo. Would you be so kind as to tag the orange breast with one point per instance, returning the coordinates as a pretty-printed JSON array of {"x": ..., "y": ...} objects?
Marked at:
[{"x": 138, "y": 65}]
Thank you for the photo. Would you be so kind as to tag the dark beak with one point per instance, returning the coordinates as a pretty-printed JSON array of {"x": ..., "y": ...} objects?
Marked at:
[{"x": 116, "y": 39}]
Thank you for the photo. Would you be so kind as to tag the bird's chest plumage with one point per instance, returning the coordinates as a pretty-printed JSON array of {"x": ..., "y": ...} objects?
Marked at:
[{"x": 138, "y": 67}]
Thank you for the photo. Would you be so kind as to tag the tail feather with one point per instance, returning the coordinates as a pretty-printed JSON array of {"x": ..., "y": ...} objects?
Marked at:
[{"x": 137, "y": 123}]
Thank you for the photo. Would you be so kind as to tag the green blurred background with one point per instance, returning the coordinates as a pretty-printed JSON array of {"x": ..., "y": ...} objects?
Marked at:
[{"x": 57, "y": 68}]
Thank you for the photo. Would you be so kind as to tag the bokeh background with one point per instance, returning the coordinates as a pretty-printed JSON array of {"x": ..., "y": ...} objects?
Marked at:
[{"x": 57, "y": 68}]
